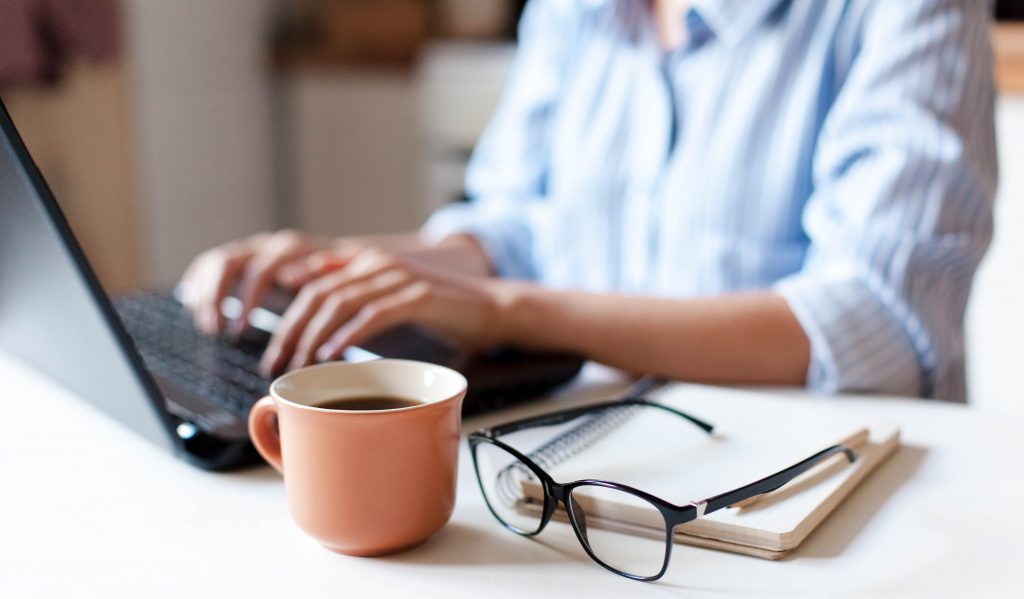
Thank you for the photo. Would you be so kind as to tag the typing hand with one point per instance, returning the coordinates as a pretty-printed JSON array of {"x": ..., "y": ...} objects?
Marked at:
[
  {"x": 377, "y": 290},
  {"x": 252, "y": 265}
]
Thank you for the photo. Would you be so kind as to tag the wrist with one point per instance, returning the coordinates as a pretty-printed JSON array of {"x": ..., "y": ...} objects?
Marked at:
[
  {"x": 512, "y": 301},
  {"x": 462, "y": 253}
]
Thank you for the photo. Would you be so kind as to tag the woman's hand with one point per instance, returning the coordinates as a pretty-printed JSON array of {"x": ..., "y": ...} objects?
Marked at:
[
  {"x": 376, "y": 290},
  {"x": 289, "y": 259},
  {"x": 252, "y": 265}
]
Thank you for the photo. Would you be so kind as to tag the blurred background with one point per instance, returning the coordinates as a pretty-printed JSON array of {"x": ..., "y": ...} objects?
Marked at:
[{"x": 166, "y": 127}]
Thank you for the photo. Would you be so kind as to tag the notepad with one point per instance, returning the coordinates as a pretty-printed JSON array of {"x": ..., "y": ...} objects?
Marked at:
[{"x": 755, "y": 435}]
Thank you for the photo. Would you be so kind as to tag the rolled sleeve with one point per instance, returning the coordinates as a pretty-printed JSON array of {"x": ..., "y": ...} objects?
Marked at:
[
  {"x": 856, "y": 343},
  {"x": 504, "y": 235},
  {"x": 901, "y": 212}
]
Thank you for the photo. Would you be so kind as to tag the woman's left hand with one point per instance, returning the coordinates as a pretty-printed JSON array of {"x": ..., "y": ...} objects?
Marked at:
[{"x": 378, "y": 290}]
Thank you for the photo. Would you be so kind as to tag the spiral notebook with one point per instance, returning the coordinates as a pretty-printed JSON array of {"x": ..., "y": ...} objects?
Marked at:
[{"x": 756, "y": 434}]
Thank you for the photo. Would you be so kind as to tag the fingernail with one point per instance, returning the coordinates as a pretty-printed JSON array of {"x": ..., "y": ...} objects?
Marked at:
[{"x": 325, "y": 353}]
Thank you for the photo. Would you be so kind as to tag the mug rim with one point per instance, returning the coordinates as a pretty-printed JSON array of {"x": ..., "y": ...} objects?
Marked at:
[{"x": 273, "y": 392}]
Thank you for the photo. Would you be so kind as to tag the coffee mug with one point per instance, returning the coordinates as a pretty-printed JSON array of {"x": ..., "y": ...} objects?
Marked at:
[{"x": 364, "y": 481}]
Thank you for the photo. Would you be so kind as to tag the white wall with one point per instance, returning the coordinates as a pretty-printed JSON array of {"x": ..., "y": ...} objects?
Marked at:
[
  {"x": 378, "y": 151},
  {"x": 995, "y": 315},
  {"x": 203, "y": 102},
  {"x": 352, "y": 152},
  {"x": 459, "y": 86}
]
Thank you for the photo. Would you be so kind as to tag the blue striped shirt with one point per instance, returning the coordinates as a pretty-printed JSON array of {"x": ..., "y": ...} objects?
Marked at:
[{"x": 840, "y": 153}]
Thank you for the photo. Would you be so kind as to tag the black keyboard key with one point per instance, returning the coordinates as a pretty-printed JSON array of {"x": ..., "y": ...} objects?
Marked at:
[{"x": 210, "y": 369}]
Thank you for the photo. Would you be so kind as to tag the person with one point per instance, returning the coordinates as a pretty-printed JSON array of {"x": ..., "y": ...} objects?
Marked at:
[{"x": 765, "y": 192}]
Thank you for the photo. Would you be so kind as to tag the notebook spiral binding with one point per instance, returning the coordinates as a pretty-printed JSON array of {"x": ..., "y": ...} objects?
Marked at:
[
  {"x": 563, "y": 446},
  {"x": 569, "y": 443}
]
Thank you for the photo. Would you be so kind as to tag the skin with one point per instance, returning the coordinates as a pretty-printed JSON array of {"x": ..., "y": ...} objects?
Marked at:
[
  {"x": 669, "y": 24},
  {"x": 352, "y": 289}
]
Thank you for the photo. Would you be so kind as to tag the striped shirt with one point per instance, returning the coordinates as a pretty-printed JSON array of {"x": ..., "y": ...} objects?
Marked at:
[{"x": 840, "y": 153}]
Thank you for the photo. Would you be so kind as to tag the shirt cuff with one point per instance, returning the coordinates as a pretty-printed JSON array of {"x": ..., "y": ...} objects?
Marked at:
[
  {"x": 503, "y": 237},
  {"x": 856, "y": 343}
]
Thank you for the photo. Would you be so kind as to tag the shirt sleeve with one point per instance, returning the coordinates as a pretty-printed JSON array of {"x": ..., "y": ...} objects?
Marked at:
[
  {"x": 507, "y": 174},
  {"x": 901, "y": 213}
]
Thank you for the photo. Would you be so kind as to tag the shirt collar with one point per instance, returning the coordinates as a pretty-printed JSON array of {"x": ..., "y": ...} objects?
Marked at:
[{"x": 732, "y": 20}]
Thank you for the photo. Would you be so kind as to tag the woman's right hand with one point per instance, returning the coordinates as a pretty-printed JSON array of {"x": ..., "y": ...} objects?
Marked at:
[
  {"x": 291, "y": 259},
  {"x": 251, "y": 266}
]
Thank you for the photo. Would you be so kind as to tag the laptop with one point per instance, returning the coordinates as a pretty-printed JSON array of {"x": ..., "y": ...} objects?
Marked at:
[{"x": 139, "y": 358}]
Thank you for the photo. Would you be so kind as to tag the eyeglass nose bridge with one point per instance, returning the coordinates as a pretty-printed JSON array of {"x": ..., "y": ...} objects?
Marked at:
[
  {"x": 556, "y": 493},
  {"x": 553, "y": 494}
]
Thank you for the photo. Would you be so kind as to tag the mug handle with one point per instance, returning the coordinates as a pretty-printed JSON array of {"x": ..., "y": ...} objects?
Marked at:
[{"x": 264, "y": 432}]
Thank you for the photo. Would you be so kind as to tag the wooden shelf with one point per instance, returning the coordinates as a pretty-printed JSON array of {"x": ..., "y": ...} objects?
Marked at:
[{"x": 1008, "y": 41}]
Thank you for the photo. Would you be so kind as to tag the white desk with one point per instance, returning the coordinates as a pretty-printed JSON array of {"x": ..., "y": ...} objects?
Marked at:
[{"x": 87, "y": 509}]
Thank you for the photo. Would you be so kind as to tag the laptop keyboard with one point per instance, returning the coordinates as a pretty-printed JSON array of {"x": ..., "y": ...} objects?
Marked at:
[{"x": 215, "y": 371}]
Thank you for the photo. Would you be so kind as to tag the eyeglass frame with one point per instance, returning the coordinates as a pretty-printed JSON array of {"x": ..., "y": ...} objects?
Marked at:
[{"x": 674, "y": 515}]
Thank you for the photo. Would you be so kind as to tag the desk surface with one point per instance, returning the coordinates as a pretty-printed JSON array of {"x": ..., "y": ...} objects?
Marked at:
[{"x": 90, "y": 509}]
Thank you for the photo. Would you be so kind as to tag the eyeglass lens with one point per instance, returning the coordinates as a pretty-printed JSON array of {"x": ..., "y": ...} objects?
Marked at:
[
  {"x": 599, "y": 514},
  {"x": 514, "y": 493},
  {"x": 516, "y": 497}
]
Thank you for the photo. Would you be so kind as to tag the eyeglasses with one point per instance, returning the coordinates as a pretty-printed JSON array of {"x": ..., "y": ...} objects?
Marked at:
[{"x": 523, "y": 497}]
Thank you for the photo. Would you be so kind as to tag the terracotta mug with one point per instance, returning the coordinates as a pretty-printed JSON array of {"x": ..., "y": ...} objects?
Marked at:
[{"x": 364, "y": 482}]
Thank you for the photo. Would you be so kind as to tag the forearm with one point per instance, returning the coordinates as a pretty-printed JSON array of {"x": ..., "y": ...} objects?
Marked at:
[{"x": 739, "y": 338}]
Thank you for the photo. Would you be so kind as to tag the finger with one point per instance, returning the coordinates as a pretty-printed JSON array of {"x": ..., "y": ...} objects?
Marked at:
[
  {"x": 403, "y": 306},
  {"x": 208, "y": 277},
  {"x": 188, "y": 285},
  {"x": 372, "y": 260},
  {"x": 208, "y": 315},
  {"x": 297, "y": 273},
  {"x": 220, "y": 275},
  {"x": 286, "y": 333},
  {"x": 258, "y": 276},
  {"x": 340, "y": 306},
  {"x": 195, "y": 292}
]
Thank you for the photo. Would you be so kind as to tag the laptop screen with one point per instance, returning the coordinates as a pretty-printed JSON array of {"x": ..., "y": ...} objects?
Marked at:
[{"x": 53, "y": 313}]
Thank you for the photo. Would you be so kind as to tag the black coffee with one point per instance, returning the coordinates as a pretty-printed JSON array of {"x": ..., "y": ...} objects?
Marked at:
[{"x": 366, "y": 404}]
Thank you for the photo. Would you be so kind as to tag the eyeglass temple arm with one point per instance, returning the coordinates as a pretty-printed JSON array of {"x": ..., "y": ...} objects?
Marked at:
[
  {"x": 571, "y": 414},
  {"x": 771, "y": 483}
]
